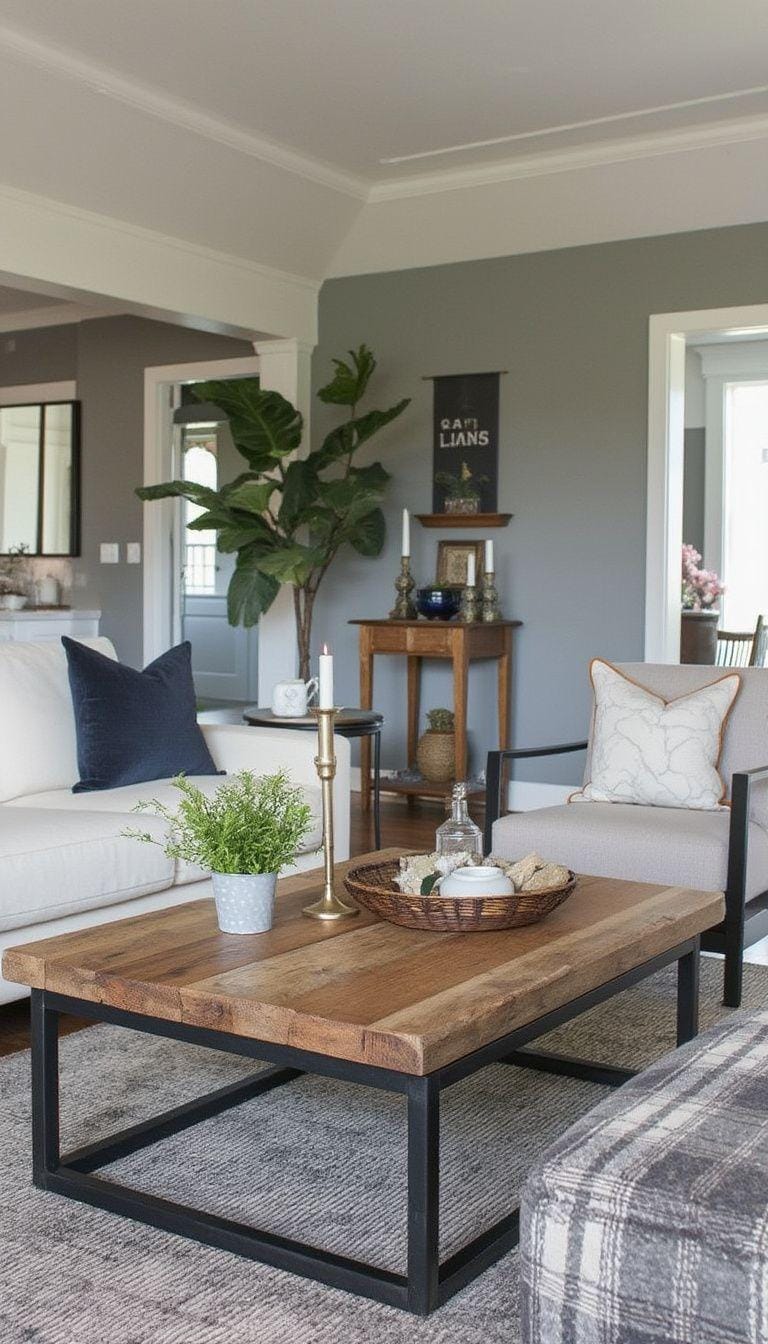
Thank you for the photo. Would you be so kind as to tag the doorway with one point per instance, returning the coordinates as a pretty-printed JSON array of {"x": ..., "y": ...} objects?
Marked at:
[
  {"x": 186, "y": 579},
  {"x": 732, "y": 343},
  {"x": 224, "y": 657}
]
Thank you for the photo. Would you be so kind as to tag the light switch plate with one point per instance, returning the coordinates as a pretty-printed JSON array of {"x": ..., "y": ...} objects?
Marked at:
[
  {"x": 109, "y": 553},
  {"x": 133, "y": 552}
]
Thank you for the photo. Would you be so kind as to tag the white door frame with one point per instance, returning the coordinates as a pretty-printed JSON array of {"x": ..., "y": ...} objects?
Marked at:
[
  {"x": 162, "y": 616},
  {"x": 667, "y": 337}
]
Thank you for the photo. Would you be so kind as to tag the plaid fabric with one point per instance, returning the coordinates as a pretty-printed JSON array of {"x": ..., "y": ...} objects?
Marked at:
[{"x": 648, "y": 1220}]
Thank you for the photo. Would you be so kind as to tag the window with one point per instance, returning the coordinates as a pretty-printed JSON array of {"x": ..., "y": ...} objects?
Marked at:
[
  {"x": 745, "y": 515},
  {"x": 199, "y": 464}
]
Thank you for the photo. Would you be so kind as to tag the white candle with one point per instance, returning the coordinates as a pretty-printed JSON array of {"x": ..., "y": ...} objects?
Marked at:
[
  {"x": 489, "y": 557},
  {"x": 406, "y": 546},
  {"x": 471, "y": 569},
  {"x": 325, "y": 696}
]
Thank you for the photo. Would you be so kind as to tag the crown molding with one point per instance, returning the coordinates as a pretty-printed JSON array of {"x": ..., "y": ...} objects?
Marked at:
[
  {"x": 108, "y": 84},
  {"x": 730, "y": 132},
  {"x": 125, "y": 229},
  {"x": 62, "y": 315}
]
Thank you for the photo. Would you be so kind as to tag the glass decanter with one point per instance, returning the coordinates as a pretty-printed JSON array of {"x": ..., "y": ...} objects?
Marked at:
[{"x": 459, "y": 834}]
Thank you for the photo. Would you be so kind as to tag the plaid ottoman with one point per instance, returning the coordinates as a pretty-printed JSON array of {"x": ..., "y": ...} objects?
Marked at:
[{"x": 648, "y": 1220}]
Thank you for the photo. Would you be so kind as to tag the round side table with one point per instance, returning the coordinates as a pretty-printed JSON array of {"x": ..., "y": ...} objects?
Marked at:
[{"x": 349, "y": 723}]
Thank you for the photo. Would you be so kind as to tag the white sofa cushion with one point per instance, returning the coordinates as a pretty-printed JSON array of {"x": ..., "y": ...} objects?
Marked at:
[
  {"x": 671, "y": 846},
  {"x": 37, "y": 724},
  {"x": 60, "y": 862},
  {"x": 123, "y": 800},
  {"x": 656, "y": 752}
]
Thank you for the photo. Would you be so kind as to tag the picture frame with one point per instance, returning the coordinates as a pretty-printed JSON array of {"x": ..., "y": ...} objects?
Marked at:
[{"x": 452, "y": 557}]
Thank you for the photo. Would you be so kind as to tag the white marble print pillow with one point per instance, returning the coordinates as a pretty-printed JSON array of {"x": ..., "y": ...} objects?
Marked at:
[{"x": 656, "y": 752}]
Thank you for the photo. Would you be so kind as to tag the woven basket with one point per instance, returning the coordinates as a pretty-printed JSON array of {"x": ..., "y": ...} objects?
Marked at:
[
  {"x": 436, "y": 756},
  {"x": 373, "y": 886}
]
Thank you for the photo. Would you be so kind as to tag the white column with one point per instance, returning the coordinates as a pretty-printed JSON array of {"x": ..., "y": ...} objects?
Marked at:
[{"x": 285, "y": 366}]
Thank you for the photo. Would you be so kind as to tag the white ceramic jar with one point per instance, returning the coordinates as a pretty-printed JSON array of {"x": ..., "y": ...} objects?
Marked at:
[
  {"x": 482, "y": 880},
  {"x": 290, "y": 699}
]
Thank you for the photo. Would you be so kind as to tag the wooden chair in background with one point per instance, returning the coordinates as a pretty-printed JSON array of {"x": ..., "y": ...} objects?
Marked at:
[{"x": 744, "y": 648}]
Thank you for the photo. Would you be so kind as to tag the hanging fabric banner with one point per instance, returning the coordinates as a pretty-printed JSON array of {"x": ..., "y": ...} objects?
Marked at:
[{"x": 466, "y": 439}]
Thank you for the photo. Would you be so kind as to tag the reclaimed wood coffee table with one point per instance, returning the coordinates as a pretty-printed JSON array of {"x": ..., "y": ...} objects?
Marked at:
[{"x": 363, "y": 1001}]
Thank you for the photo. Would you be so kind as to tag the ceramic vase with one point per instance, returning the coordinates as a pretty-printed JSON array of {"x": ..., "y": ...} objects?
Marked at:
[{"x": 245, "y": 902}]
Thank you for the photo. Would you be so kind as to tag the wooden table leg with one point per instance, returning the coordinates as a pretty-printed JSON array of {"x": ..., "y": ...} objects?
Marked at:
[
  {"x": 505, "y": 684},
  {"x": 366, "y": 702},
  {"x": 460, "y": 683},
  {"x": 414, "y": 697}
]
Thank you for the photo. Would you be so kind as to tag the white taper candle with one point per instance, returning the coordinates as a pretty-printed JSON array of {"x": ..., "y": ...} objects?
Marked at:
[
  {"x": 471, "y": 569},
  {"x": 325, "y": 695},
  {"x": 489, "y": 557},
  {"x": 406, "y": 546}
]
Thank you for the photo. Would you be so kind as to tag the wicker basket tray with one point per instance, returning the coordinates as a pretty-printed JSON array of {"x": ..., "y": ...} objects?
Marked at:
[{"x": 373, "y": 886}]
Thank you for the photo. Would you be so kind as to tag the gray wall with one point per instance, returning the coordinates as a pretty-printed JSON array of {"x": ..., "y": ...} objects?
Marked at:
[
  {"x": 572, "y": 329},
  {"x": 107, "y": 357},
  {"x": 693, "y": 487}
]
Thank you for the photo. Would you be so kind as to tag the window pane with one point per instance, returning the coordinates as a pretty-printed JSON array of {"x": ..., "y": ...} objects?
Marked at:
[
  {"x": 745, "y": 568},
  {"x": 200, "y": 464},
  {"x": 19, "y": 476},
  {"x": 57, "y": 480}
]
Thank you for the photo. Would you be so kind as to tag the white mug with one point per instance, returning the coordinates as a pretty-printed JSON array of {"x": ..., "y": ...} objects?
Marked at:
[{"x": 290, "y": 699}]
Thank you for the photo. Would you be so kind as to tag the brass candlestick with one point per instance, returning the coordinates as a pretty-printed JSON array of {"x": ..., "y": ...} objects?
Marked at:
[
  {"x": 468, "y": 611},
  {"x": 404, "y": 608},
  {"x": 329, "y": 906},
  {"x": 490, "y": 598}
]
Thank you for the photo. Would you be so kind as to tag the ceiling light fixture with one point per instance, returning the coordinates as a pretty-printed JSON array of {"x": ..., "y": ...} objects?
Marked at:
[{"x": 578, "y": 125}]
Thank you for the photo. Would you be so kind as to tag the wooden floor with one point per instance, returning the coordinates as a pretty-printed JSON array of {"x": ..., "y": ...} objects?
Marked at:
[{"x": 407, "y": 826}]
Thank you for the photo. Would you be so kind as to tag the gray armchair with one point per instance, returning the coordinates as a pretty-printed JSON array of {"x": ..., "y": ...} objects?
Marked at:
[{"x": 723, "y": 851}]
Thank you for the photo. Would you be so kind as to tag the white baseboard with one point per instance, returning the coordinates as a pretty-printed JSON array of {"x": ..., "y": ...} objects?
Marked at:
[{"x": 523, "y": 795}]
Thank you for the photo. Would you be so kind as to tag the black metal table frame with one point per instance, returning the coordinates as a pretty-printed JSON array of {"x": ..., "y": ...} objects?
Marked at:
[{"x": 428, "y": 1283}]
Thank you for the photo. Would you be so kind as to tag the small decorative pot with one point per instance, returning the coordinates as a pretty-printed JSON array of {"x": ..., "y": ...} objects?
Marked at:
[
  {"x": 441, "y": 602},
  {"x": 436, "y": 756},
  {"x": 462, "y": 504},
  {"x": 480, "y": 880},
  {"x": 245, "y": 902},
  {"x": 14, "y": 601},
  {"x": 698, "y": 636}
]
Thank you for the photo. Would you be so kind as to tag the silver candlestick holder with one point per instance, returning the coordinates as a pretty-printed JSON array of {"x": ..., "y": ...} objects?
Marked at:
[
  {"x": 329, "y": 906},
  {"x": 490, "y": 598},
  {"x": 404, "y": 608},
  {"x": 469, "y": 605}
]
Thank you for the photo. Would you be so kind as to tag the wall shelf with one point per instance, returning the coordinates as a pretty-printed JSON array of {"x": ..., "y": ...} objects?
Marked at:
[{"x": 447, "y": 520}]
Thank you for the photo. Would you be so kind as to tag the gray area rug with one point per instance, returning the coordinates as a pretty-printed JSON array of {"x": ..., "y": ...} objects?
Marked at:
[{"x": 318, "y": 1160}]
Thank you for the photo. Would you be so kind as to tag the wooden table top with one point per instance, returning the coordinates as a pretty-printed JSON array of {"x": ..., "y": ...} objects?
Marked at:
[{"x": 362, "y": 989}]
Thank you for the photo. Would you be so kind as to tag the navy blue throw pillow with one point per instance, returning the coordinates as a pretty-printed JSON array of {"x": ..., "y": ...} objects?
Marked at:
[{"x": 134, "y": 726}]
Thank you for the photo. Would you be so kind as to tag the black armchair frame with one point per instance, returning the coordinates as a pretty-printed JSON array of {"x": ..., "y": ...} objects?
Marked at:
[{"x": 745, "y": 922}]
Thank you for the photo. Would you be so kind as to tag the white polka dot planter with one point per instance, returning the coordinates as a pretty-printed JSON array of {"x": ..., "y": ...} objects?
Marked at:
[{"x": 245, "y": 902}]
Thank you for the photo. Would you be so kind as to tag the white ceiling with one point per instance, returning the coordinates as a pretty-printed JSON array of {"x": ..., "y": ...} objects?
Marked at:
[
  {"x": 307, "y": 135},
  {"x": 352, "y": 82}
]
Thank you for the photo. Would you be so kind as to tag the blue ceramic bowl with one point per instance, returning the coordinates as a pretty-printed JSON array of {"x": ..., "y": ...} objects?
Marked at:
[{"x": 438, "y": 604}]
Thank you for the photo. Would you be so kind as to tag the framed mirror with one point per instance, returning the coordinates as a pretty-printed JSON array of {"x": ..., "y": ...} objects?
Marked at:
[{"x": 40, "y": 478}]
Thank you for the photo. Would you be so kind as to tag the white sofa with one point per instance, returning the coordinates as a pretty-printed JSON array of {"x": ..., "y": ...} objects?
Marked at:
[{"x": 64, "y": 861}]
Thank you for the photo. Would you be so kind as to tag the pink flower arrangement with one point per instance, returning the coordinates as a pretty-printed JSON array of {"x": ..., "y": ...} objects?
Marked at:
[{"x": 701, "y": 587}]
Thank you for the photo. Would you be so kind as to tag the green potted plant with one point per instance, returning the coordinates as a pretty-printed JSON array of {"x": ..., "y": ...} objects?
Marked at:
[
  {"x": 462, "y": 492},
  {"x": 287, "y": 517},
  {"x": 436, "y": 750},
  {"x": 243, "y": 835}
]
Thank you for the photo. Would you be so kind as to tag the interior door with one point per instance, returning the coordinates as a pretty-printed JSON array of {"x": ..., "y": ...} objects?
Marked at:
[{"x": 224, "y": 658}]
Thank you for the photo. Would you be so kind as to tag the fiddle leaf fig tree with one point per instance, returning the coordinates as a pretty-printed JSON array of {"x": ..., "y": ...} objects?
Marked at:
[{"x": 285, "y": 518}]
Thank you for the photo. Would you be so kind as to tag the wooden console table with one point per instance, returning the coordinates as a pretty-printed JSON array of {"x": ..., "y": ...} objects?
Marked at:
[{"x": 416, "y": 640}]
